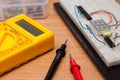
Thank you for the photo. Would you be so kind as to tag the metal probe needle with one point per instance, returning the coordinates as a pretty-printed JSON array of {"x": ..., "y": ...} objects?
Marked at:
[
  {"x": 75, "y": 69},
  {"x": 60, "y": 53}
]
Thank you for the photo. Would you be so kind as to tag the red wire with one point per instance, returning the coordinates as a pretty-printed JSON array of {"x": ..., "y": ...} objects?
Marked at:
[
  {"x": 117, "y": 26},
  {"x": 103, "y": 12}
]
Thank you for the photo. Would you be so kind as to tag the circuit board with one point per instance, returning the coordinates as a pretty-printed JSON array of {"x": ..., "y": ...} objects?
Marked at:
[{"x": 109, "y": 13}]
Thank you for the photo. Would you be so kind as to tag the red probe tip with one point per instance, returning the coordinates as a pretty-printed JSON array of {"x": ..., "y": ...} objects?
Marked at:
[
  {"x": 75, "y": 69},
  {"x": 70, "y": 56}
]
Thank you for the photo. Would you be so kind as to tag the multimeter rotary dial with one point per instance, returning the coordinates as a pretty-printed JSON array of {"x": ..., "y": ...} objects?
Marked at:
[
  {"x": 7, "y": 40},
  {"x": 10, "y": 39}
]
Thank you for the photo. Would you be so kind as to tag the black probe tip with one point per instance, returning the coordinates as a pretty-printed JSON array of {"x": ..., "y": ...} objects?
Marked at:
[{"x": 65, "y": 41}]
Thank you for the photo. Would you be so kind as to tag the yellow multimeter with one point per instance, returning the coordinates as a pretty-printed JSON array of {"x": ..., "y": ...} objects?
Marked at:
[{"x": 22, "y": 39}]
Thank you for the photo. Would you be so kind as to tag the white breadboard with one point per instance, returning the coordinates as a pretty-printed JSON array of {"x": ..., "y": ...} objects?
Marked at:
[{"x": 110, "y": 56}]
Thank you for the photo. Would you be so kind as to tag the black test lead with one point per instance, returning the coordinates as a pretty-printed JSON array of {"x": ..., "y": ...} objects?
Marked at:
[{"x": 60, "y": 53}]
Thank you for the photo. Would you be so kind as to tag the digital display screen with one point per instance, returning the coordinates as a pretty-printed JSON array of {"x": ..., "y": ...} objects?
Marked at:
[{"x": 29, "y": 27}]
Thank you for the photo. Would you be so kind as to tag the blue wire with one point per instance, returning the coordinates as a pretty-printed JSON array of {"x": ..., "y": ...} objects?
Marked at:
[
  {"x": 118, "y": 44},
  {"x": 88, "y": 28},
  {"x": 75, "y": 9}
]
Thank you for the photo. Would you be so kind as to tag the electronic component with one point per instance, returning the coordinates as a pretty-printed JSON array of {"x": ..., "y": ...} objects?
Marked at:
[
  {"x": 22, "y": 39},
  {"x": 60, "y": 53},
  {"x": 109, "y": 42},
  {"x": 82, "y": 10},
  {"x": 101, "y": 28}
]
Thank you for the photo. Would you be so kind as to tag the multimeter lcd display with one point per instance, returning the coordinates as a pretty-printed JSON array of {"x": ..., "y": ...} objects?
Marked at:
[{"x": 30, "y": 28}]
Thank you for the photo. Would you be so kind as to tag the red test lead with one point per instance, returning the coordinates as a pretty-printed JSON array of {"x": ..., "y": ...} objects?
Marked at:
[{"x": 75, "y": 69}]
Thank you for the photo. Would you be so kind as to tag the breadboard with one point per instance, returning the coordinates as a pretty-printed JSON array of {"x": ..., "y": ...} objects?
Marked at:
[{"x": 110, "y": 56}]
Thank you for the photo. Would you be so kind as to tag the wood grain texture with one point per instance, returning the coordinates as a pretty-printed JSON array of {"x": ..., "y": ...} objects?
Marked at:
[
  {"x": 118, "y": 1},
  {"x": 37, "y": 68}
]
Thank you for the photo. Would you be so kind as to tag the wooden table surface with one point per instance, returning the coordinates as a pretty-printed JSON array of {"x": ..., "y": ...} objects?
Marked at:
[
  {"x": 118, "y": 1},
  {"x": 38, "y": 68}
]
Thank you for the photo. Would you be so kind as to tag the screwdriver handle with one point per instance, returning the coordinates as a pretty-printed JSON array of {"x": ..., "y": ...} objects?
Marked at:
[{"x": 75, "y": 69}]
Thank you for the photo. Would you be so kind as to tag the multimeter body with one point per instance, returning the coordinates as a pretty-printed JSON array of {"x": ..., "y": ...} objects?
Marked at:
[{"x": 22, "y": 39}]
